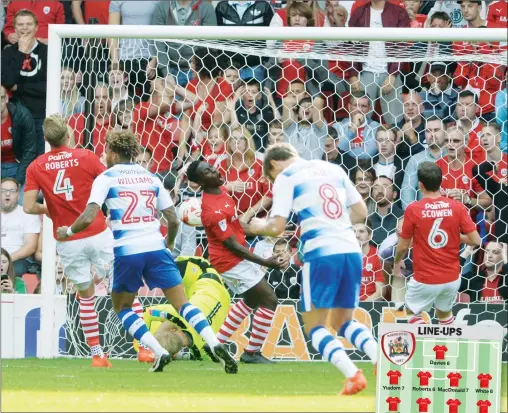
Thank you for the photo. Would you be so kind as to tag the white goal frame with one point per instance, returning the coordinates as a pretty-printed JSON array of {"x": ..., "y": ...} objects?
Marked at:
[{"x": 58, "y": 32}]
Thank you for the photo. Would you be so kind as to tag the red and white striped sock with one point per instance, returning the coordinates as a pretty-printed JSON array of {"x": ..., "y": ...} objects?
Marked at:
[
  {"x": 90, "y": 324},
  {"x": 416, "y": 320},
  {"x": 235, "y": 317},
  {"x": 447, "y": 321},
  {"x": 137, "y": 307},
  {"x": 261, "y": 326}
]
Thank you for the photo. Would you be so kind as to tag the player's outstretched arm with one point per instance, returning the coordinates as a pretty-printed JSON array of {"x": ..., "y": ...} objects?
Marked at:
[
  {"x": 173, "y": 225},
  {"x": 243, "y": 252},
  {"x": 31, "y": 206},
  {"x": 271, "y": 227},
  {"x": 473, "y": 239},
  {"x": 83, "y": 222}
]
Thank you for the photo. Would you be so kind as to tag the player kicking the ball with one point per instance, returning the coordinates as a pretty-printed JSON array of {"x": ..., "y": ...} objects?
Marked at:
[
  {"x": 437, "y": 226},
  {"x": 65, "y": 177},
  {"x": 239, "y": 267},
  {"x": 133, "y": 197},
  {"x": 320, "y": 193}
]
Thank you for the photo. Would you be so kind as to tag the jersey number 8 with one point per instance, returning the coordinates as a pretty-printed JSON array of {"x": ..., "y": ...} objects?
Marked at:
[{"x": 331, "y": 202}]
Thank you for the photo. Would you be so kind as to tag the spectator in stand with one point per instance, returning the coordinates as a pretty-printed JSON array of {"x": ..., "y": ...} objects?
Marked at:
[
  {"x": 304, "y": 126},
  {"x": 387, "y": 164},
  {"x": 458, "y": 179},
  {"x": 357, "y": 134},
  {"x": 19, "y": 146},
  {"x": 275, "y": 133},
  {"x": 387, "y": 212},
  {"x": 145, "y": 158},
  {"x": 90, "y": 12},
  {"x": 373, "y": 281},
  {"x": 471, "y": 11},
  {"x": 338, "y": 12},
  {"x": 498, "y": 14},
  {"x": 10, "y": 284},
  {"x": 489, "y": 284},
  {"x": 123, "y": 114},
  {"x": 71, "y": 102},
  {"x": 250, "y": 14},
  {"x": 175, "y": 58},
  {"x": 208, "y": 87},
  {"x": 255, "y": 111},
  {"x": 381, "y": 79},
  {"x": 440, "y": 98},
  {"x": 20, "y": 231},
  {"x": 232, "y": 76},
  {"x": 332, "y": 153},
  {"x": 24, "y": 68},
  {"x": 285, "y": 282},
  {"x": 413, "y": 7},
  {"x": 364, "y": 176},
  {"x": 213, "y": 147},
  {"x": 118, "y": 81},
  {"x": 136, "y": 54},
  {"x": 101, "y": 123},
  {"x": 490, "y": 140},
  {"x": 412, "y": 127},
  {"x": 467, "y": 120},
  {"x": 243, "y": 174},
  {"x": 159, "y": 130},
  {"x": 280, "y": 18},
  {"x": 452, "y": 9},
  {"x": 502, "y": 116},
  {"x": 45, "y": 12},
  {"x": 435, "y": 137}
]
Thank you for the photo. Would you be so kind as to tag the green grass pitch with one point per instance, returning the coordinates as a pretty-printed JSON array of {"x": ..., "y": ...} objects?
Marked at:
[{"x": 72, "y": 385}]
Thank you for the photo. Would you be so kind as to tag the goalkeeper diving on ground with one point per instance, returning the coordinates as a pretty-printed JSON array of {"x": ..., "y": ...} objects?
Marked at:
[{"x": 205, "y": 290}]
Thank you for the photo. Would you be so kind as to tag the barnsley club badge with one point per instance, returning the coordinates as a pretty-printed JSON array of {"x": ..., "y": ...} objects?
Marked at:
[{"x": 398, "y": 346}]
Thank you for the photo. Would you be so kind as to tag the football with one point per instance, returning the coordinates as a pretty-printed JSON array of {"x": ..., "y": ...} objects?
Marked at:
[{"x": 189, "y": 212}]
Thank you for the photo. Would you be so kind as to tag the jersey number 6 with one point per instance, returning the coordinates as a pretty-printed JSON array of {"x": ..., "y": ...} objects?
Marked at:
[
  {"x": 331, "y": 202},
  {"x": 438, "y": 238}
]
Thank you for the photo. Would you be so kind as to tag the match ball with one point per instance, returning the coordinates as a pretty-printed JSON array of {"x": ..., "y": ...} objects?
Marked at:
[{"x": 189, "y": 212}]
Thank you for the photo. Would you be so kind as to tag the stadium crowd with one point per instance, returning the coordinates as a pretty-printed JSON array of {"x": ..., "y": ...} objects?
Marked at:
[{"x": 375, "y": 119}]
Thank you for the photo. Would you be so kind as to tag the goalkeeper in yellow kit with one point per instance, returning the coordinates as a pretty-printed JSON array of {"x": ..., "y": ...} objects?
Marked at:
[{"x": 205, "y": 290}]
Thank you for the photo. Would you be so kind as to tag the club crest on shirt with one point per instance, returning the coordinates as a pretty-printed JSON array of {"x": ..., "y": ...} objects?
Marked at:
[
  {"x": 465, "y": 179},
  {"x": 46, "y": 10},
  {"x": 251, "y": 171},
  {"x": 368, "y": 267},
  {"x": 10, "y": 131},
  {"x": 398, "y": 346},
  {"x": 223, "y": 225},
  {"x": 503, "y": 172}
]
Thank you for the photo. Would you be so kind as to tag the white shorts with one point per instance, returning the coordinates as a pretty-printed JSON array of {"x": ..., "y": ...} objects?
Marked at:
[
  {"x": 243, "y": 276},
  {"x": 421, "y": 297},
  {"x": 78, "y": 256}
]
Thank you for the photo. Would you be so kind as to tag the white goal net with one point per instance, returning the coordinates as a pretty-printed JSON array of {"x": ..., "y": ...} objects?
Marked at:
[{"x": 376, "y": 102}]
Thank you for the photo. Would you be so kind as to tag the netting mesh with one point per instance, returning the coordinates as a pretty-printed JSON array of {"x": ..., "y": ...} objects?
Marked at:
[{"x": 376, "y": 109}]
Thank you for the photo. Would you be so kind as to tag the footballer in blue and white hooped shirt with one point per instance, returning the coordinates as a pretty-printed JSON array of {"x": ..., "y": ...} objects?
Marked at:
[
  {"x": 327, "y": 204},
  {"x": 134, "y": 196}
]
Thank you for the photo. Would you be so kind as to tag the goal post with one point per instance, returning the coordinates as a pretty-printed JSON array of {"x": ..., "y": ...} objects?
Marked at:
[{"x": 229, "y": 39}]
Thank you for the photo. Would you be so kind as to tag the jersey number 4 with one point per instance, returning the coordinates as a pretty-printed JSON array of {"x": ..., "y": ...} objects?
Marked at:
[
  {"x": 63, "y": 185},
  {"x": 331, "y": 202},
  {"x": 134, "y": 200},
  {"x": 438, "y": 238}
]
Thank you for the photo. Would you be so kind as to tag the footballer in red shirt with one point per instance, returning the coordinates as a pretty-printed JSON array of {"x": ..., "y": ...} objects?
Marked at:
[
  {"x": 453, "y": 405},
  {"x": 393, "y": 404},
  {"x": 483, "y": 406},
  {"x": 424, "y": 377},
  {"x": 440, "y": 352},
  {"x": 65, "y": 177},
  {"x": 454, "y": 379},
  {"x": 373, "y": 280},
  {"x": 437, "y": 226},
  {"x": 240, "y": 268},
  {"x": 484, "y": 380},
  {"x": 394, "y": 377},
  {"x": 423, "y": 405}
]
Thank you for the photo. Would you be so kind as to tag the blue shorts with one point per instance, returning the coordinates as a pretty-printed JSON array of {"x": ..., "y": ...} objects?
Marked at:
[
  {"x": 157, "y": 268},
  {"x": 332, "y": 282}
]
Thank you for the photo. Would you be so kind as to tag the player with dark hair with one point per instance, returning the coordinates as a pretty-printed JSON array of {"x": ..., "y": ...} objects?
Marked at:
[
  {"x": 239, "y": 267},
  {"x": 437, "y": 226},
  {"x": 133, "y": 196}
]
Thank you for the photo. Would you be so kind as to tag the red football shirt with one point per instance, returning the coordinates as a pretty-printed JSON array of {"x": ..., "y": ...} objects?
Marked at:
[
  {"x": 454, "y": 379},
  {"x": 220, "y": 219},
  {"x": 372, "y": 273},
  {"x": 498, "y": 13},
  {"x": 394, "y": 376},
  {"x": 490, "y": 292},
  {"x": 423, "y": 405},
  {"x": 257, "y": 185},
  {"x": 435, "y": 226},
  {"x": 65, "y": 177},
  {"x": 96, "y": 9},
  {"x": 501, "y": 169},
  {"x": 77, "y": 124},
  {"x": 440, "y": 352},
  {"x": 424, "y": 377},
  {"x": 484, "y": 406},
  {"x": 484, "y": 380},
  {"x": 209, "y": 155},
  {"x": 453, "y": 405},
  {"x": 160, "y": 134},
  {"x": 7, "y": 142},
  {"x": 393, "y": 403},
  {"x": 461, "y": 179}
]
